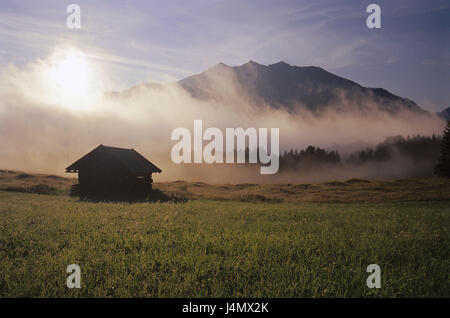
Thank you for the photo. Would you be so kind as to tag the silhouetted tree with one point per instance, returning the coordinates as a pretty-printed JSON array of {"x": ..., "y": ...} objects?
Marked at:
[
  {"x": 420, "y": 150},
  {"x": 308, "y": 158},
  {"x": 442, "y": 167},
  {"x": 417, "y": 148}
]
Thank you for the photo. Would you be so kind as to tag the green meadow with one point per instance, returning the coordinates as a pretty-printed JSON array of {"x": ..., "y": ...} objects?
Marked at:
[{"x": 244, "y": 242}]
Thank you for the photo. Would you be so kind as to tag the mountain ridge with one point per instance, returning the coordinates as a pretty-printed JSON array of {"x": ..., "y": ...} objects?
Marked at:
[
  {"x": 284, "y": 86},
  {"x": 445, "y": 113},
  {"x": 281, "y": 85}
]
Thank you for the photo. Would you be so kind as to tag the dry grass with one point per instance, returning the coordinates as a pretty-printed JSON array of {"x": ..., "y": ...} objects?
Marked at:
[
  {"x": 353, "y": 190},
  {"x": 18, "y": 181}
]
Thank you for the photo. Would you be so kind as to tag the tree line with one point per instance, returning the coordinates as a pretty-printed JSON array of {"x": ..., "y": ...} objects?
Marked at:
[{"x": 417, "y": 148}]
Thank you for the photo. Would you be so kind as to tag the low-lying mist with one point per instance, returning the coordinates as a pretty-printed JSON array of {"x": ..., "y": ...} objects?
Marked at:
[{"x": 42, "y": 132}]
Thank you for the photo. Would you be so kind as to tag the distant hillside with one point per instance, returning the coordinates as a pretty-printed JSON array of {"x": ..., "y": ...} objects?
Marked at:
[
  {"x": 290, "y": 87},
  {"x": 445, "y": 114},
  {"x": 281, "y": 85}
]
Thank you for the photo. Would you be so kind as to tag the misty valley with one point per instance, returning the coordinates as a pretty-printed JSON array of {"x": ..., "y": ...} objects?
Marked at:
[{"x": 308, "y": 105}]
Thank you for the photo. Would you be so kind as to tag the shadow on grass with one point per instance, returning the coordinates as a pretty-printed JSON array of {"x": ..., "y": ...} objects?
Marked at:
[
  {"x": 159, "y": 196},
  {"x": 155, "y": 195}
]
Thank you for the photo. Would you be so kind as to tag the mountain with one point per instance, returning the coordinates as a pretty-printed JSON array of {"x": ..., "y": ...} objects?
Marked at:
[
  {"x": 445, "y": 114},
  {"x": 281, "y": 85}
]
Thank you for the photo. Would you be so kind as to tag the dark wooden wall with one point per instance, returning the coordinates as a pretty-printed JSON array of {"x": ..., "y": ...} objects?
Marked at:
[{"x": 108, "y": 180}]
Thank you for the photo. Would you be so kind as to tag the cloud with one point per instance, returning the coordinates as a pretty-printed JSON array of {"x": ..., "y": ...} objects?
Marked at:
[{"x": 40, "y": 133}]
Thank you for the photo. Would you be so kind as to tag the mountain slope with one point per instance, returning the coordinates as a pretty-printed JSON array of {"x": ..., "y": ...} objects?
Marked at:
[
  {"x": 445, "y": 114},
  {"x": 281, "y": 85}
]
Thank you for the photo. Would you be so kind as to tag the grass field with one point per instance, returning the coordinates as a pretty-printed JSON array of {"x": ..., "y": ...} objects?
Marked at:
[{"x": 228, "y": 240}]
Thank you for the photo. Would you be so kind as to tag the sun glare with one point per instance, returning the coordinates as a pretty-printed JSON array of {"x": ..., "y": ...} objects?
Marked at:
[{"x": 71, "y": 74}]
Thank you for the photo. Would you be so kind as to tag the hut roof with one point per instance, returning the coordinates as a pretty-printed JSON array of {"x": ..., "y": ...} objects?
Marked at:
[{"x": 130, "y": 159}]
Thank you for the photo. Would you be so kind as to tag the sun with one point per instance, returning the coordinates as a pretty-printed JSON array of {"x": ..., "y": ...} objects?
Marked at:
[{"x": 71, "y": 74}]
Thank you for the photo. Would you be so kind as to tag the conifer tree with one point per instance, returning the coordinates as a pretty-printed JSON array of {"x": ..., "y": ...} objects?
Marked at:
[{"x": 442, "y": 167}]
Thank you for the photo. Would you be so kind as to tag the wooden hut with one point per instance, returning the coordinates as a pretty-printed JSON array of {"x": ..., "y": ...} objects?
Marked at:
[{"x": 113, "y": 173}]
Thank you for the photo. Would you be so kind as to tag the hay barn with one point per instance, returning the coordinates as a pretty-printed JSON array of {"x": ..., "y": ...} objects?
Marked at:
[{"x": 113, "y": 173}]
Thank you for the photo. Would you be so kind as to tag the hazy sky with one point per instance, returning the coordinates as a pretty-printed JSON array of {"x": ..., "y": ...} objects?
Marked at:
[{"x": 138, "y": 41}]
